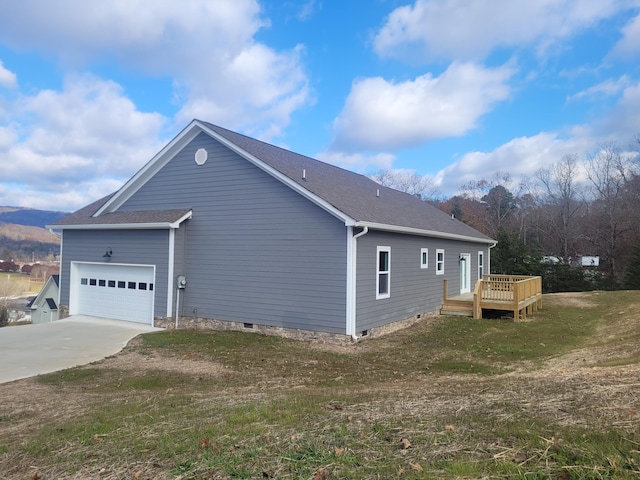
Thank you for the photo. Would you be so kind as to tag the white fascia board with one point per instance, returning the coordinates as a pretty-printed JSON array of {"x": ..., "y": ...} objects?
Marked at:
[
  {"x": 348, "y": 221},
  {"x": 121, "y": 226},
  {"x": 127, "y": 226},
  {"x": 150, "y": 169},
  {"x": 424, "y": 233}
]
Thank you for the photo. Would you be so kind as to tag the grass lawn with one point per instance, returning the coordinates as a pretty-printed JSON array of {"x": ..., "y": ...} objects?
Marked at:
[
  {"x": 13, "y": 284},
  {"x": 555, "y": 396}
]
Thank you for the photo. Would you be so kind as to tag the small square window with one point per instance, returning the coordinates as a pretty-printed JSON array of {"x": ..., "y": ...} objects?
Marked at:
[
  {"x": 102, "y": 283},
  {"x": 151, "y": 286},
  {"x": 93, "y": 282},
  {"x": 84, "y": 281},
  {"x": 121, "y": 284},
  {"x": 131, "y": 285},
  {"x": 424, "y": 258},
  {"x": 142, "y": 286},
  {"x": 112, "y": 283}
]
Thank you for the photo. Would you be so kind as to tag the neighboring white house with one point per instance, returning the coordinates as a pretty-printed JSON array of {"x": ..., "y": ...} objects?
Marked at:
[
  {"x": 44, "y": 308},
  {"x": 590, "y": 261}
]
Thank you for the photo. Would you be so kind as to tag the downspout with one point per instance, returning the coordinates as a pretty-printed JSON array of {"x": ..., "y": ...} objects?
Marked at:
[{"x": 354, "y": 255}]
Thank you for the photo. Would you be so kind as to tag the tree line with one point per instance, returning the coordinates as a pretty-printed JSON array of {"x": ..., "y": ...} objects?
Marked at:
[{"x": 574, "y": 208}]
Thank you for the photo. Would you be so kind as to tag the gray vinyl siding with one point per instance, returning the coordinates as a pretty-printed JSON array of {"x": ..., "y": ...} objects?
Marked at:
[
  {"x": 254, "y": 251},
  {"x": 413, "y": 290},
  {"x": 140, "y": 247}
]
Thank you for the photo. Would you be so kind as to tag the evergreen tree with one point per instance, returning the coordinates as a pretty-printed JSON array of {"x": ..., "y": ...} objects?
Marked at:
[{"x": 632, "y": 273}]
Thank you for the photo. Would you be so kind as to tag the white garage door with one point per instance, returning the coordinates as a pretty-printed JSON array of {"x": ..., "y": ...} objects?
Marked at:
[{"x": 121, "y": 292}]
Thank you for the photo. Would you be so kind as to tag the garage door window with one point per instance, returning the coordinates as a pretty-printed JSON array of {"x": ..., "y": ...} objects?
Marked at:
[{"x": 93, "y": 282}]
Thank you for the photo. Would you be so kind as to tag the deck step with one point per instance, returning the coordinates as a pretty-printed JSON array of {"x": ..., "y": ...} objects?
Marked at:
[
  {"x": 461, "y": 308},
  {"x": 456, "y": 313}
]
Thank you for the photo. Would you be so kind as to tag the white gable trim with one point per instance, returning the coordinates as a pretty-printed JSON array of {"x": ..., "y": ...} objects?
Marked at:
[
  {"x": 170, "y": 150},
  {"x": 150, "y": 169}
]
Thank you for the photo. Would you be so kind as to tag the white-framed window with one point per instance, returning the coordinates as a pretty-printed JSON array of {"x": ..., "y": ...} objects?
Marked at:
[
  {"x": 440, "y": 261},
  {"x": 383, "y": 272},
  {"x": 480, "y": 265},
  {"x": 424, "y": 258}
]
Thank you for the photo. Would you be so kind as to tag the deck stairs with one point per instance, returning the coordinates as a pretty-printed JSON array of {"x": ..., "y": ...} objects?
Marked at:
[{"x": 459, "y": 306}]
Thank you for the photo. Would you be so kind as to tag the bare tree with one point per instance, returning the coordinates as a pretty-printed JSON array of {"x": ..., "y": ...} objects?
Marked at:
[
  {"x": 8, "y": 290},
  {"x": 564, "y": 201},
  {"x": 608, "y": 172},
  {"x": 408, "y": 182}
]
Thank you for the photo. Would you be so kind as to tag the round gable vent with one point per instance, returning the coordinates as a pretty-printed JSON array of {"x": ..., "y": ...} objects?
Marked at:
[{"x": 201, "y": 156}]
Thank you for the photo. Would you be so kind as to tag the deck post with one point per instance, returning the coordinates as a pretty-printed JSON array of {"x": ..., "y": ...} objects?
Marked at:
[
  {"x": 446, "y": 289},
  {"x": 477, "y": 299},
  {"x": 516, "y": 299}
]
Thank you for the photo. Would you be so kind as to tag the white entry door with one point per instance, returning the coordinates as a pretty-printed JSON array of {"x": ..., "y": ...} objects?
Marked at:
[
  {"x": 465, "y": 273},
  {"x": 117, "y": 291}
]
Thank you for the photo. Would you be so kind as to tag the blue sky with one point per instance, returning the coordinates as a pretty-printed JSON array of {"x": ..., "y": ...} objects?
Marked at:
[{"x": 452, "y": 90}]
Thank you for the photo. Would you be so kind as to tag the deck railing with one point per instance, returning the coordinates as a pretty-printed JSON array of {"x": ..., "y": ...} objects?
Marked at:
[{"x": 507, "y": 292}]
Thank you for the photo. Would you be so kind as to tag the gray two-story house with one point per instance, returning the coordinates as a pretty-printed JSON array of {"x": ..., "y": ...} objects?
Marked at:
[{"x": 221, "y": 227}]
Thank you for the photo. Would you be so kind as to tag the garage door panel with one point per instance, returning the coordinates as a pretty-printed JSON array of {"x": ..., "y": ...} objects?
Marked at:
[{"x": 122, "y": 292}]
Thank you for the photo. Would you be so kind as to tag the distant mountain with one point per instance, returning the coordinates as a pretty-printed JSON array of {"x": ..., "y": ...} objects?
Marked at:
[
  {"x": 23, "y": 236},
  {"x": 29, "y": 216}
]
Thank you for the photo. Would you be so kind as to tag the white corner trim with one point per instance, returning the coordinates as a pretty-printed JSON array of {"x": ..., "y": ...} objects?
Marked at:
[{"x": 170, "y": 270}]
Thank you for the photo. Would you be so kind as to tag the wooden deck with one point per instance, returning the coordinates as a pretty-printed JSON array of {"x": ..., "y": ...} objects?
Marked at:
[{"x": 511, "y": 293}]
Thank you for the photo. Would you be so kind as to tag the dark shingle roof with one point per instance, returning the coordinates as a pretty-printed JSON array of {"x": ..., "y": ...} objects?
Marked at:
[
  {"x": 351, "y": 193},
  {"x": 84, "y": 216},
  {"x": 356, "y": 196}
]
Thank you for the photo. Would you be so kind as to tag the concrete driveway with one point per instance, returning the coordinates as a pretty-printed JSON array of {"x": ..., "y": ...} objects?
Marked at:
[{"x": 29, "y": 350}]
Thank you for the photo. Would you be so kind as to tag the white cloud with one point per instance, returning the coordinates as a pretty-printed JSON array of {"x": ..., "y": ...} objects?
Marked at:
[
  {"x": 470, "y": 30},
  {"x": 383, "y": 115},
  {"x": 64, "y": 197},
  {"x": 308, "y": 9},
  {"x": 7, "y": 78},
  {"x": 629, "y": 46},
  {"x": 74, "y": 145},
  {"x": 258, "y": 89},
  {"x": 357, "y": 162},
  {"x": 607, "y": 88},
  {"x": 206, "y": 48},
  {"x": 520, "y": 158},
  {"x": 622, "y": 122}
]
